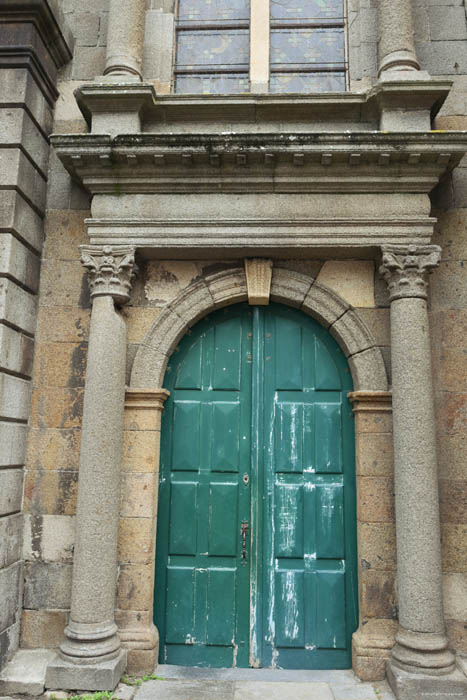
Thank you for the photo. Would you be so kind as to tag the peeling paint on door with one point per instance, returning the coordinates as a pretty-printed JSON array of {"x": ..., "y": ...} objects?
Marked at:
[{"x": 256, "y": 561}]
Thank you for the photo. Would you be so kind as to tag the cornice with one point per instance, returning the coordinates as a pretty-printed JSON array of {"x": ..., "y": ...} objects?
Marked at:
[
  {"x": 47, "y": 18},
  {"x": 261, "y": 162}
]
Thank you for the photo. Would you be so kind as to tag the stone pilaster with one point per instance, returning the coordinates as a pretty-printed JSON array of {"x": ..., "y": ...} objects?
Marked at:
[
  {"x": 141, "y": 440},
  {"x": 125, "y": 39},
  {"x": 420, "y": 659},
  {"x": 91, "y": 655}
]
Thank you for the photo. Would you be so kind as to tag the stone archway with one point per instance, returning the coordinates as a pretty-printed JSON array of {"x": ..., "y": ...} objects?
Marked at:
[
  {"x": 145, "y": 399},
  {"x": 288, "y": 287}
]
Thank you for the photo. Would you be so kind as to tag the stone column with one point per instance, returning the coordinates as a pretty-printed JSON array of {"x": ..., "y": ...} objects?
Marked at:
[
  {"x": 420, "y": 658},
  {"x": 91, "y": 657},
  {"x": 396, "y": 47},
  {"x": 125, "y": 37}
]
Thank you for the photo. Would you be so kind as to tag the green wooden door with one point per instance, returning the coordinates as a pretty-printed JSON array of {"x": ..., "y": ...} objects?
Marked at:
[{"x": 256, "y": 552}]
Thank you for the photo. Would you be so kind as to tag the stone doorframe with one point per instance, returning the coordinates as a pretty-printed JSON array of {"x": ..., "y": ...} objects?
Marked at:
[{"x": 144, "y": 401}]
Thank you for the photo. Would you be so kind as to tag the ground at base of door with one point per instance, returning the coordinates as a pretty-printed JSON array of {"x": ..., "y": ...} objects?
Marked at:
[{"x": 182, "y": 683}]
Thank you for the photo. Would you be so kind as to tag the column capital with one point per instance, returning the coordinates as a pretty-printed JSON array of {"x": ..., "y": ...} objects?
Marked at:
[
  {"x": 406, "y": 269},
  {"x": 111, "y": 270}
]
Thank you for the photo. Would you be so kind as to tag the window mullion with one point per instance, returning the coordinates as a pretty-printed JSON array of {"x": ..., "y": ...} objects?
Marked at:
[{"x": 259, "y": 46}]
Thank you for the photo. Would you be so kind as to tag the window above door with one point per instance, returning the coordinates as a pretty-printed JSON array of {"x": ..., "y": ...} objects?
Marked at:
[{"x": 260, "y": 46}]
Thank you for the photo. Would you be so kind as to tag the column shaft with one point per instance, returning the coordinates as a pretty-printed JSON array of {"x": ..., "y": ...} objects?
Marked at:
[
  {"x": 396, "y": 47},
  {"x": 415, "y": 464},
  {"x": 95, "y": 556},
  {"x": 125, "y": 37}
]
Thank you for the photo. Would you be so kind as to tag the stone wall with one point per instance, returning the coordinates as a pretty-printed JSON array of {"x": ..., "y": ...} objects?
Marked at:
[{"x": 34, "y": 44}]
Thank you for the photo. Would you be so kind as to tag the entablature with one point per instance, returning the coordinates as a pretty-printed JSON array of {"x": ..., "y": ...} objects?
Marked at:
[{"x": 261, "y": 162}]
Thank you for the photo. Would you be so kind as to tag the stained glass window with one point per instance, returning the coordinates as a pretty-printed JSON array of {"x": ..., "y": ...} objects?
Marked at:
[
  {"x": 213, "y": 46},
  {"x": 305, "y": 45},
  {"x": 307, "y": 51}
]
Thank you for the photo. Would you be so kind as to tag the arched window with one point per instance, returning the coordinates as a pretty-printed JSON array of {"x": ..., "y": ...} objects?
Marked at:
[{"x": 259, "y": 46}]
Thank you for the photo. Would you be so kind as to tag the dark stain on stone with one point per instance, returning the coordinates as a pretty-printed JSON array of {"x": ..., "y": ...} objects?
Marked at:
[
  {"x": 78, "y": 365},
  {"x": 215, "y": 268},
  {"x": 75, "y": 410},
  {"x": 365, "y": 564},
  {"x": 85, "y": 295},
  {"x": 36, "y": 535},
  {"x": 67, "y": 482}
]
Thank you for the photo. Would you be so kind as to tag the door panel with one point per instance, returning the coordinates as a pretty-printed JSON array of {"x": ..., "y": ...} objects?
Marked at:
[{"x": 258, "y": 434}]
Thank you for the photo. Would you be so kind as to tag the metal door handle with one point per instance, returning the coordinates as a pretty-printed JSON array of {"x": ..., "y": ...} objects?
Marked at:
[{"x": 244, "y": 534}]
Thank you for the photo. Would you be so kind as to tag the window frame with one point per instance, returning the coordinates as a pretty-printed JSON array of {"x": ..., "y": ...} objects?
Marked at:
[{"x": 260, "y": 69}]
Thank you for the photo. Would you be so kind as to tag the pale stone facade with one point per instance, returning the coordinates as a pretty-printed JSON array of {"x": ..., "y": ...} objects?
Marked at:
[{"x": 337, "y": 198}]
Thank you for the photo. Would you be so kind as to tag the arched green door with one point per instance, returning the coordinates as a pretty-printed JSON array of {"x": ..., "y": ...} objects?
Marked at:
[{"x": 256, "y": 541}]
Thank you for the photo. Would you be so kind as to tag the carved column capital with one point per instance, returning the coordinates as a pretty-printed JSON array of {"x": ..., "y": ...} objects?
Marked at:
[
  {"x": 406, "y": 269},
  {"x": 111, "y": 270}
]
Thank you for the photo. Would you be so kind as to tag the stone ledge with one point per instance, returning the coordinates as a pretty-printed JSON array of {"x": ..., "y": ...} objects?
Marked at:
[
  {"x": 25, "y": 673},
  {"x": 102, "y": 675}
]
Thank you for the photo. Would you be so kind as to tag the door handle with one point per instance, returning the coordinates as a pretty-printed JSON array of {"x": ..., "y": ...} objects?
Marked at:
[{"x": 244, "y": 534}]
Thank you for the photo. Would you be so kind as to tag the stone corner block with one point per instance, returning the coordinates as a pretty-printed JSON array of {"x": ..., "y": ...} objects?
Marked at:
[
  {"x": 407, "y": 686},
  {"x": 25, "y": 673},
  {"x": 104, "y": 675}
]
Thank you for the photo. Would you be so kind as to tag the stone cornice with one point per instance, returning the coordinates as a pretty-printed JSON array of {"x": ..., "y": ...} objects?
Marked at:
[
  {"x": 261, "y": 162},
  {"x": 47, "y": 18},
  {"x": 406, "y": 269},
  {"x": 110, "y": 269}
]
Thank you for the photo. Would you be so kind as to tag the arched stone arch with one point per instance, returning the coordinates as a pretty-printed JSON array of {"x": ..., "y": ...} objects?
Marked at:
[{"x": 288, "y": 287}]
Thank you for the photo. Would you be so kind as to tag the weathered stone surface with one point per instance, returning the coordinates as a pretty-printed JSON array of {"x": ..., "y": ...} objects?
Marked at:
[
  {"x": 17, "y": 306},
  {"x": 375, "y": 454},
  {"x": 452, "y": 455},
  {"x": 64, "y": 284},
  {"x": 10, "y": 594},
  {"x": 290, "y": 289},
  {"x": 378, "y": 322},
  {"x": 140, "y": 450},
  {"x": 454, "y": 547},
  {"x": 136, "y": 540},
  {"x": 138, "y": 321},
  {"x": 49, "y": 538},
  {"x": 138, "y": 495},
  {"x": 62, "y": 325},
  {"x": 65, "y": 230},
  {"x": 165, "y": 280},
  {"x": 47, "y": 585},
  {"x": 11, "y": 491},
  {"x": 101, "y": 675},
  {"x": 16, "y": 351},
  {"x": 455, "y": 596},
  {"x": 135, "y": 589},
  {"x": 15, "y": 394},
  {"x": 25, "y": 673},
  {"x": 351, "y": 334},
  {"x": 451, "y": 412},
  {"x": 375, "y": 502},
  {"x": 59, "y": 407},
  {"x": 53, "y": 448},
  {"x": 352, "y": 280},
  {"x": 51, "y": 492},
  {"x": 377, "y": 545},
  {"x": 449, "y": 350},
  {"x": 18, "y": 262},
  {"x": 368, "y": 371},
  {"x": 11, "y": 539},
  {"x": 453, "y": 501},
  {"x": 12, "y": 444},
  {"x": 42, "y": 629},
  {"x": 60, "y": 364},
  {"x": 378, "y": 595}
]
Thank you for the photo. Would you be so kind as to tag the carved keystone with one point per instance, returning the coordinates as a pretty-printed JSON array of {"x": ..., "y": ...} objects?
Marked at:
[
  {"x": 111, "y": 270},
  {"x": 406, "y": 269},
  {"x": 258, "y": 279}
]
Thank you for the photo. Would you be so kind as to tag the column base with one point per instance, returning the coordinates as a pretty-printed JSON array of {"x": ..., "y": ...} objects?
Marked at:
[
  {"x": 102, "y": 675},
  {"x": 407, "y": 686}
]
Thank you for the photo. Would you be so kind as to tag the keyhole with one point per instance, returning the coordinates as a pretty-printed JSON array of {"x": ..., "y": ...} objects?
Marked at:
[{"x": 246, "y": 479}]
